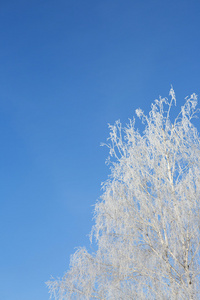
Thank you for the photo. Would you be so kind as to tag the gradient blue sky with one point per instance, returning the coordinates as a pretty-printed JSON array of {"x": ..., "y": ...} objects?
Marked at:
[{"x": 67, "y": 68}]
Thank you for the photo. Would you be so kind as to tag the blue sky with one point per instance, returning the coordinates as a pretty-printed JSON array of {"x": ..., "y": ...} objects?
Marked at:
[{"x": 67, "y": 69}]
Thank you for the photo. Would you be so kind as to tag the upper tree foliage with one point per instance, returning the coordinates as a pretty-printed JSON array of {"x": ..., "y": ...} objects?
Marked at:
[{"x": 147, "y": 222}]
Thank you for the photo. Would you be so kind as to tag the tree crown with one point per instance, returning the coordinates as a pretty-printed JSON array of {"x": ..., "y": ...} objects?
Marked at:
[{"x": 147, "y": 221}]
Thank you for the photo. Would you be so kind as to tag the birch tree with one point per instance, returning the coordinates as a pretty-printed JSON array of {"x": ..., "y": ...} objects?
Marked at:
[{"x": 147, "y": 222}]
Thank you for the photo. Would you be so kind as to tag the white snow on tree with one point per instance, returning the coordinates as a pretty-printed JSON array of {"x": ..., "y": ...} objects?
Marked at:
[{"x": 147, "y": 222}]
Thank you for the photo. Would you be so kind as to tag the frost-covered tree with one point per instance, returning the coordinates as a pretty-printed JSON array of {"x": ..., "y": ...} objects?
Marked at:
[{"x": 147, "y": 222}]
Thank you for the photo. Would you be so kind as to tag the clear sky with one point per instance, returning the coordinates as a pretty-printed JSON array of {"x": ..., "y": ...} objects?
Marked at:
[{"x": 67, "y": 69}]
